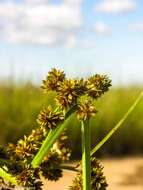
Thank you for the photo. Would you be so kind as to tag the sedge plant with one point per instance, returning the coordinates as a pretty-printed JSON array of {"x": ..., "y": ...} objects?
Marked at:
[{"x": 43, "y": 152}]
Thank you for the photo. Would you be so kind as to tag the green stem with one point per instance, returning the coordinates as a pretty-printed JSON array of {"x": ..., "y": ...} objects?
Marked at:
[
  {"x": 86, "y": 165},
  {"x": 117, "y": 126},
  {"x": 7, "y": 177},
  {"x": 46, "y": 145},
  {"x": 67, "y": 167},
  {"x": 50, "y": 139}
]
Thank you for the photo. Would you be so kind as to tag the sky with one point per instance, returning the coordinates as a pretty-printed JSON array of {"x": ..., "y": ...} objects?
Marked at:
[{"x": 82, "y": 37}]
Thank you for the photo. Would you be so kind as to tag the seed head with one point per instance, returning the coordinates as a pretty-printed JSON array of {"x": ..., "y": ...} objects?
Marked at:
[
  {"x": 38, "y": 135},
  {"x": 98, "y": 180},
  {"x": 98, "y": 85},
  {"x": 30, "y": 178},
  {"x": 53, "y": 80},
  {"x": 49, "y": 118},
  {"x": 60, "y": 147},
  {"x": 68, "y": 93},
  {"x": 26, "y": 148},
  {"x": 74, "y": 93},
  {"x": 86, "y": 109},
  {"x": 50, "y": 167}
]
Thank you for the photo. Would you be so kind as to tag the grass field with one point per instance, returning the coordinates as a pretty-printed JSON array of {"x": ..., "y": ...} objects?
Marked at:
[{"x": 21, "y": 103}]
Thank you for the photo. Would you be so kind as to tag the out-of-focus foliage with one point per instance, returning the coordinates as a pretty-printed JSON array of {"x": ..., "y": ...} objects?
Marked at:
[{"x": 20, "y": 105}]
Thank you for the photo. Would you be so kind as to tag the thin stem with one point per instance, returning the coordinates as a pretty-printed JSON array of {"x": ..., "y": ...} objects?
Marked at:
[
  {"x": 86, "y": 165},
  {"x": 50, "y": 139},
  {"x": 70, "y": 168},
  {"x": 7, "y": 177},
  {"x": 117, "y": 126}
]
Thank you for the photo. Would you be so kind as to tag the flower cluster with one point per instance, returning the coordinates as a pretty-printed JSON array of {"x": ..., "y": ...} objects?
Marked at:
[
  {"x": 98, "y": 85},
  {"x": 98, "y": 180},
  {"x": 69, "y": 91},
  {"x": 86, "y": 109},
  {"x": 59, "y": 147},
  {"x": 50, "y": 118},
  {"x": 29, "y": 177},
  {"x": 50, "y": 167},
  {"x": 19, "y": 156},
  {"x": 27, "y": 147},
  {"x": 53, "y": 80}
]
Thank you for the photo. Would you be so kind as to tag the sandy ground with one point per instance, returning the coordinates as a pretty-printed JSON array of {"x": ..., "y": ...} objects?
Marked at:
[{"x": 122, "y": 174}]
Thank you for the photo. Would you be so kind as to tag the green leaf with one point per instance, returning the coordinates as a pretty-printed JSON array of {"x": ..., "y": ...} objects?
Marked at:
[
  {"x": 50, "y": 140},
  {"x": 117, "y": 126}
]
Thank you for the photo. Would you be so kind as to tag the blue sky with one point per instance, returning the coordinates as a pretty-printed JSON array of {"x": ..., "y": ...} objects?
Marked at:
[{"x": 80, "y": 36}]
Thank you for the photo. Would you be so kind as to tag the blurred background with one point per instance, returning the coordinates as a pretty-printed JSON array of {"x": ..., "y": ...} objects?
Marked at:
[{"x": 81, "y": 37}]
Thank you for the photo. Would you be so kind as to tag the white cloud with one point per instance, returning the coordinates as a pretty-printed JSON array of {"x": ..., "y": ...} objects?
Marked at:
[
  {"x": 70, "y": 2},
  {"x": 74, "y": 2},
  {"x": 37, "y": 1},
  {"x": 60, "y": 17},
  {"x": 74, "y": 42},
  {"x": 71, "y": 41},
  {"x": 87, "y": 44},
  {"x": 116, "y": 6},
  {"x": 102, "y": 28},
  {"x": 137, "y": 27},
  {"x": 39, "y": 21}
]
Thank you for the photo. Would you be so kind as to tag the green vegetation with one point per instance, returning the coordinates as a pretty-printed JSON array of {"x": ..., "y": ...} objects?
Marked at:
[
  {"x": 42, "y": 153},
  {"x": 20, "y": 105}
]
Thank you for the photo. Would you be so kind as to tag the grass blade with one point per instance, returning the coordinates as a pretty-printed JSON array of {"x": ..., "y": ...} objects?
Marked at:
[
  {"x": 117, "y": 126},
  {"x": 50, "y": 140}
]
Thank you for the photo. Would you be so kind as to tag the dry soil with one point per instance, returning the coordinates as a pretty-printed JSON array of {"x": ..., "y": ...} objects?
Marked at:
[{"x": 122, "y": 174}]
